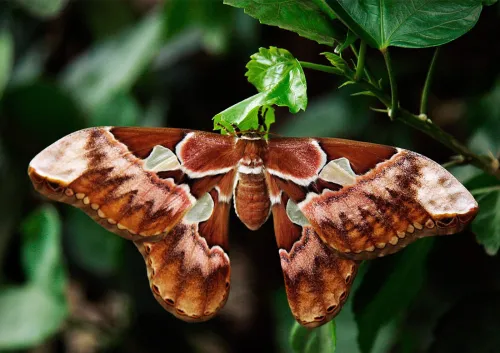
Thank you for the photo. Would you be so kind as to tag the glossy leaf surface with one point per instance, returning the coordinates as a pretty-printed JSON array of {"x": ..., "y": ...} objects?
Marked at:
[
  {"x": 409, "y": 24},
  {"x": 280, "y": 80}
]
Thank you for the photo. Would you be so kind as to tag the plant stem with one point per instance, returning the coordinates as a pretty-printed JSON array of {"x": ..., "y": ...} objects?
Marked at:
[
  {"x": 457, "y": 160},
  {"x": 487, "y": 163},
  {"x": 485, "y": 190},
  {"x": 428, "y": 80},
  {"x": 367, "y": 72},
  {"x": 318, "y": 67},
  {"x": 360, "y": 67},
  {"x": 392, "y": 81}
]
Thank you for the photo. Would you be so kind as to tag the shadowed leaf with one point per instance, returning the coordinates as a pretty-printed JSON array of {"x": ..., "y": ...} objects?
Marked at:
[
  {"x": 115, "y": 64},
  {"x": 91, "y": 246},
  {"x": 43, "y": 8},
  {"x": 376, "y": 308},
  {"x": 319, "y": 340},
  {"x": 303, "y": 17},
  {"x": 29, "y": 316},
  {"x": 33, "y": 312},
  {"x": 42, "y": 251},
  {"x": 6, "y": 58}
]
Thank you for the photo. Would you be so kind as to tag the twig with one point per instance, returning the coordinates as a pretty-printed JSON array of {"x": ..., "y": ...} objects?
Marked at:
[
  {"x": 360, "y": 66},
  {"x": 455, "y": 160},
  {"x": 368, "y": 75},
  {"x": 394, "y": 88},
  {"x": 485, "y": 190},
  {"x": 428, "y": 80},
  {"x": 318, "y": 67}
]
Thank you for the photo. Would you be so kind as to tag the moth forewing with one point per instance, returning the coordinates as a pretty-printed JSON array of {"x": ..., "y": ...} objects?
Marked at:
[{"x": 396, "y": 202}]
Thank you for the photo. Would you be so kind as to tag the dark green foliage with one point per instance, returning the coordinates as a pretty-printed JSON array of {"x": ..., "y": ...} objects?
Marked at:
[{"x": 66, "y": 65}]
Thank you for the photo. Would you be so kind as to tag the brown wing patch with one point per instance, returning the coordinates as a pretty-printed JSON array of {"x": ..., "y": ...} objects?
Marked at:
[
  {"x": 215, "y": 229},
  {"x": 295, "y": 159},
  {"x": 286, "y": 232},
  {"x": 203, "y": 153},
  {"x": 363, "y": 156},
  {"x": 141, "y": 140},
  {"x": 188, "y": 278},
  {"x": 317, "y": 279},
  {"x": 398, "y": 201},
  {"x": 90, "y": 169}
]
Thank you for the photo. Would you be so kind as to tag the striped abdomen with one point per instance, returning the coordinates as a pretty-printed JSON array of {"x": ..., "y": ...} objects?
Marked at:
[{"x": 252, "y": 200}]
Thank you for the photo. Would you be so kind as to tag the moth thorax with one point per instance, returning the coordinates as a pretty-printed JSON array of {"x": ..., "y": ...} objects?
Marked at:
[
  {"x": 251, "y": 165},
  {"x": 251, "y": 135}
]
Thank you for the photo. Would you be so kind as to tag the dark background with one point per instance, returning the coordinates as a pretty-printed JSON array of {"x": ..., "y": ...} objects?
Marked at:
[{"x": 197, "y": 71}]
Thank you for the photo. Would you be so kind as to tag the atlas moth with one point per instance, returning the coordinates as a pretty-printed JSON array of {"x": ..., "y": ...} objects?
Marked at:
[{"x": 333, "y": 203}]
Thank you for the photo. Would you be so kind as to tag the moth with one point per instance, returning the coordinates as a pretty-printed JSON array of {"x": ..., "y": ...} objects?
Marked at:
[{"x": 333, "y": 203}]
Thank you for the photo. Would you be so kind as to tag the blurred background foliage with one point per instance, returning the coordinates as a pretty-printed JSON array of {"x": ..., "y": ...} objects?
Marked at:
[{"x": 68, "y": 286}]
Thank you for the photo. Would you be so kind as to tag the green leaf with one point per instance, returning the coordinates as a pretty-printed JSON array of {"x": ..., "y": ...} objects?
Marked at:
[
  {"x": 279, "y": 78},
  {"x": 303, "y": 17},
  {"x": 115, "y": 64},
  {"x": 375, "y": 309},
  {"x": 276, "y": 72},
  {"x": 244, "y": 114},
  {"x": 42, "y": 250},
  {"x": 120, "y": 110},
  {"x": 29, "y": 316},
  {"x": 347, "y": 83},
  {"x": 350, "y": 39},
  {"x": 339, "y": 63},
  {"x": 363, "y": 93},
  {"x": 318, "y": 340},
  {"x": 409, "y": 24},
  {"x": 486, "y": 226},
  {"x": 6, "y": 58},
  {"x": 29, "y": 67},
  {"x": 91, "y": 246},
  {"x": 43, "y": 8},
  {"x": 35, "y": 311}
]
